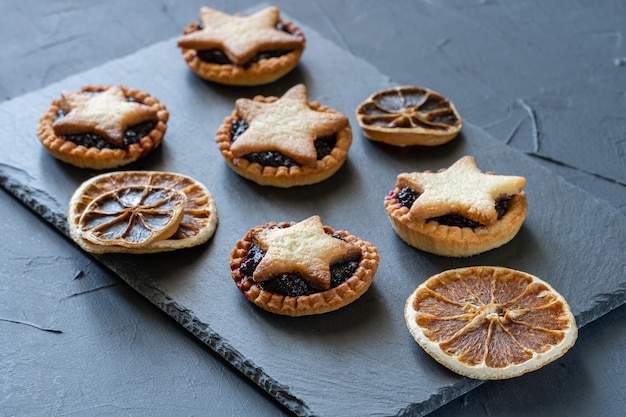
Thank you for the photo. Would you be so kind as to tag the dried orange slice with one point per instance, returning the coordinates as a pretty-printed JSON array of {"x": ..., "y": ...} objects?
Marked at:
[
  {"x": 490, "y": 322},
  {"x": 409, "y": 115},
  {"x": 133, "y": 216},
  {"x": 199, "y": 213}
]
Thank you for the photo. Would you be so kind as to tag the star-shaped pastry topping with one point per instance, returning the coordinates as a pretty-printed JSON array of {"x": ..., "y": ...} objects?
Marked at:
[
  {"x": 288, "y": 126},
  {"x": 107, "y": 114},
  {"x": 239, "y": 37},
  {"x": 462, "y": 189},
  {"x": 303, "y": 248}
]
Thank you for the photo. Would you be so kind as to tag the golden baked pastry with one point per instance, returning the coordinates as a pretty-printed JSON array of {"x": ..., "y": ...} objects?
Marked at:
[
  {"x": 284, "y": 142},
  {"x": 488, "y": 322},
  {"x": 103, "y": 127},
  {"x": 303, "y": 268},
  {"x": 242, "y": 50},
  {"x": 141, "y": 212},
  {"x": 459, "y": 211},
  {"x": 409, "y": 115}
]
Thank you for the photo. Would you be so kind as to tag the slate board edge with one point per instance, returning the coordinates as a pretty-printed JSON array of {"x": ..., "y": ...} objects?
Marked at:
[
  {"x": 12, "y": 180},
  {"x": 15, "y": 181},
  {"x": 185, "y": 317}
]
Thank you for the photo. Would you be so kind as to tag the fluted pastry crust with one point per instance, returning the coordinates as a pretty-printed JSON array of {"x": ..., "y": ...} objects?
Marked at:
[
  {"x": 263, "y": 71},
  {"x": 283, "y": 176},
  {"x": 453, "y": 241},
  {"x": 92, "y": 157},
  {"x": 319, "y": 302},
  {"x": 463, "y": 190}
]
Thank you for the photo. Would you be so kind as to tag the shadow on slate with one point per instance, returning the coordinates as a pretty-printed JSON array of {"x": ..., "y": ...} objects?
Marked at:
[{"x": 359, "y": 360}]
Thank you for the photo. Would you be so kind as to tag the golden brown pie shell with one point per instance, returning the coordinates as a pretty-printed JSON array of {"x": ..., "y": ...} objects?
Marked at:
[
  {"x": 261, "y": 72},
  {"x": 196, "y": 227},
  {"x": 316, "y": 303},
  {"x": 453, "y": 241},
  {"x": 285, "y": 177},
  {"x": 106, "y": 158}
]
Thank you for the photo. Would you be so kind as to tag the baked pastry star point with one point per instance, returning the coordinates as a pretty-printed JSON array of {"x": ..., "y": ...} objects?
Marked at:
[
  {"x": 303, "y": 248},
  {"x": 239, "y": 37},
  {"x": 461, "y": 189},
  {"x": 107, "y": 113},
  {"x": 287, "y": 125}
]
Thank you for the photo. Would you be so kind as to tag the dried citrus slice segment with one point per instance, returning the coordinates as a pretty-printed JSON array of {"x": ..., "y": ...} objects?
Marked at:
[
  {"x": 490, "y": 322},
  {"x": 197, "y": 225},
  {"x": 132, "y": 216},
  {"x": 409, "y": 115}
]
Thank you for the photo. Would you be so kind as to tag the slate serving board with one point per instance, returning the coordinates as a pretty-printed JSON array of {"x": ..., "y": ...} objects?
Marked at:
[{"x": 359, "y": 360}]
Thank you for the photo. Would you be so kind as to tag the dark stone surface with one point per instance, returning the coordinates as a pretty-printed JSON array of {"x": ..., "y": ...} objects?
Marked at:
[
  {"x": 76, "y": 340},
  {"x": 344, "y": 31}
]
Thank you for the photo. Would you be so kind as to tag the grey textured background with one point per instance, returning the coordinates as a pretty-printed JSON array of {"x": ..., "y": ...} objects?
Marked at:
[{"x": 535, "y": 87}]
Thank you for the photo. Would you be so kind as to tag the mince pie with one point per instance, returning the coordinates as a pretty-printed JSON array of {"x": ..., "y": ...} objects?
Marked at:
[
  {"x": 141, "y": 212},
  {"x": 284, "y": 142},
  {"x": 304, "y": 268},
  {"x": 409, "y": 115},
  {"x": 103, "y": 127},
  {"x": 459, "y": 211},
  {"x": 242, "y": 50}
]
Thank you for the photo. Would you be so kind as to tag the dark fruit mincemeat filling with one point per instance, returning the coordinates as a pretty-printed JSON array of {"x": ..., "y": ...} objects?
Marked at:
[
  {"x": 323, "y": 145},
  {"x": 407, "y": 196},
  {"x": 217, "y": 56},
  {"x": 293, "y": 284},
  {"x": 133, "y": 134}
]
